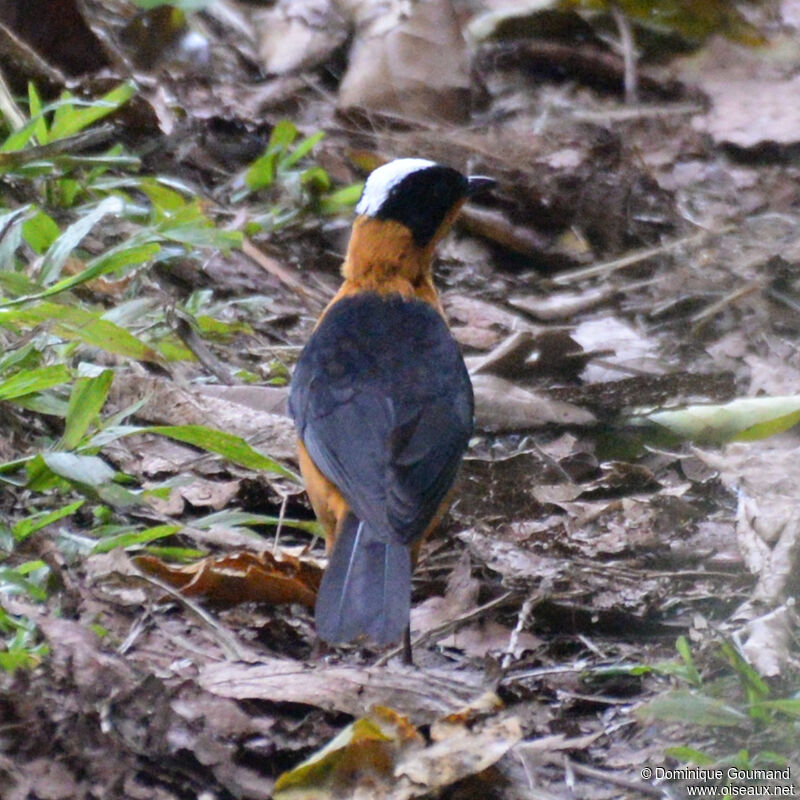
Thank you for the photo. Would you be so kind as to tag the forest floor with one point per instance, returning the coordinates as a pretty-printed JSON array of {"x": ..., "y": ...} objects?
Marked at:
[{"x": 608, "y": 601}]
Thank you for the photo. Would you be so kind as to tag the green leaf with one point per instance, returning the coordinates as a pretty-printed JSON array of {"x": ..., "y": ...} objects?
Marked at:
[
  {"x": 316, "y": 179},
  {"x": 342, "y": 199},
  {"x": 162, "y": 197},
  {"x": 689, "y": 755},
  {"x": 682, "y": 646},
  {"x": 87, "y": 398},
  {"x": 18, "y": 139},
  {"x": 183, "y": 554},
  {"x": 690, "y": 707},
  {"x": 124, "y": 255},
  {"x": 19, "y": 658},
  {"x": 35, "y": 522},
  {"x": 262, "y": 171},
  {"x": 62, "y": 248},
  {"x": 13, "y": 582},
  {"x": 16, "y": 283},
  {"x": 33, "y": 380},
  {"x": 789, "y": 706},
  {"x": 303, "y": 148},
  {"x": 35, "y": 113},
  {"x": 25, "y": 356},
  {"x": 136, "y": 538},
  {"x": 309, "y": 778},
  {"x": 69, "y": 119},
  {"x": 40, "y": 231},
  {"x": 282, "y": 135},
  {"x": 752, "y": 683},
  {"x": 224, "y": 444},
  {"x": 745, "y": 419},
  {"x": 11, "y": 228},
  {"x": 188, "y": 225},
  {"x": 43, "y": 403},
  {"x": 85, "y": 470},
  {"x": 76, "y": 323},
  {"x": 242, "y": 518},
  {"x": 694, "y": 20}
]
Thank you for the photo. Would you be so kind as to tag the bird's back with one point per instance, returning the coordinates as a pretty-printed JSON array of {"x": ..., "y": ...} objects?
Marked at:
[{"x": 383, "y": 405}]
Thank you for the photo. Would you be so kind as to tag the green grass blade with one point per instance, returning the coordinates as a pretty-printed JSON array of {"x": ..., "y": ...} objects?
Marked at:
[
  {"x": 74, "y": 119},
  {"x": 87, "y": 398},
  {"x": 33, "y": 380},
  {"x": 35, "y": 522},
  {"x": 137, "y": 538},
  {"x": 62, "y": 248},
  {"x": 224, "y": 444}
]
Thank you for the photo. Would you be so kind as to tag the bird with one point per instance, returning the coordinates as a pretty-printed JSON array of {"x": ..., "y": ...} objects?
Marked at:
[{"x": 382, "y": 402}]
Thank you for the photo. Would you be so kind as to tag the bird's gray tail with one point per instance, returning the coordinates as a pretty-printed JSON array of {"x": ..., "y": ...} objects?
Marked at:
[{"x": 366, "y": 589}]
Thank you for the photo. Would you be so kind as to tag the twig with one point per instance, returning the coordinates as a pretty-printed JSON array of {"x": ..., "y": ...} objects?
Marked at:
[
  {"x": 590, "y": 645},
  {"x": 446, "y": 628},
  {"x": 497, "y": 228},
  {"x": 522, "y": 621},
  {"x": 224, "y": 638},
  {"x": 780, "y": 297},
  {"x": 14, "y": 50},
  {"x": 281, "y": 514},
  {"x": 639, "y": 112},
  {"x": 607, "y": 267},
  {"x": 284, "y": 275},
  {"x": 699, "y": 319},
  {"x": 540, "y": 672},
  {"x": 133, "y": 634},
  {"x": 614, "y": 779},
  {"x": 183, "y": 326},
  {"x": 69, "y": 144},
  {"x": 629, "y": 54}
]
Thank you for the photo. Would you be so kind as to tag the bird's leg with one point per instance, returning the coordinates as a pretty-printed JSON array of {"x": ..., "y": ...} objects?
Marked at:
[{"x": 407, "y": 655}]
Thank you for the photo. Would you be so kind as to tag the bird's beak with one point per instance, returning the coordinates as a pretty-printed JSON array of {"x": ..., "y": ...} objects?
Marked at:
[{"x": 478, "y": 183}]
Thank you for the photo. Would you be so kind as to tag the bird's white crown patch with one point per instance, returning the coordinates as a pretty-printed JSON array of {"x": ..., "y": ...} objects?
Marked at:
[{"x": 382, "y": 180}]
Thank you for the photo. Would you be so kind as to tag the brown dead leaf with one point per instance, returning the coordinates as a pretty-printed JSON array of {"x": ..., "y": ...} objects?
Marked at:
[
  {"x": 359, "y": 759},
  {"x": 464, "y": 751},
  {"x": 461, "y": 597},
  {"x": 770, "y": 640},
  {"x": 632, "y": 350},
  {"x": 300, "y": 35},
  {"x": 502, "y": 406},
  {"x": 383, "y": 757},
  {"x": 411, "y": 62},
  {"x": 753, "y": 98},
  {"x": 241, "y": 578},
  {"x": 167, "y": 403},
  {"x": 552, "y": 352},
  {"x": 272, "y": 399},
  {"x": 209, "y": 494},
  {"x": 461, "y": 309},
  {"x": 763, "y": 475}
]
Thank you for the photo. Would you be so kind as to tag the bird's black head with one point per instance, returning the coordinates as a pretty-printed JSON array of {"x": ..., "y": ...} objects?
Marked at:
[{"x": 416, "y": 193}]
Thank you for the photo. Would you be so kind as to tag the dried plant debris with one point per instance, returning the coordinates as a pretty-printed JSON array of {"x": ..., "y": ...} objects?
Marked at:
[
  {"x": 240, "y": 578},
  {"x": 614, "y": 587}
]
